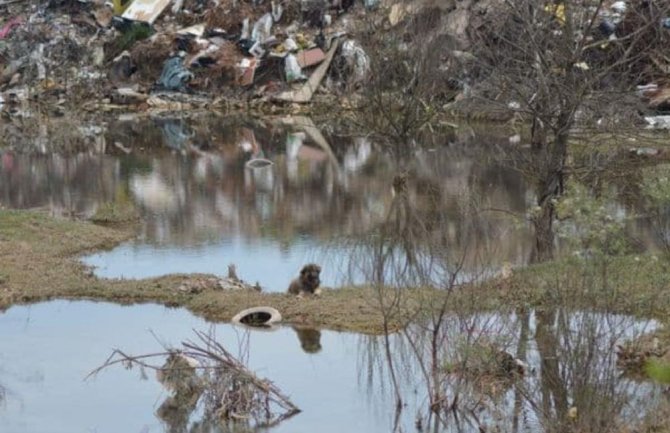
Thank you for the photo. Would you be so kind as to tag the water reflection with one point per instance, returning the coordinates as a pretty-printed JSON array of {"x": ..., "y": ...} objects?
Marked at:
[
  {"x": 310, "y": 339},
  {"x": 571, "y": 382},
  {"x": 202, "y": 207},
  {"x": 340, "y": 381},
  {"x": 60, "y": 343}
]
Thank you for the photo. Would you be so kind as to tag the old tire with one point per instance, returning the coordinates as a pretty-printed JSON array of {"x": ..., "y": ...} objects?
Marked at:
[{"x": 258, "y": 317}]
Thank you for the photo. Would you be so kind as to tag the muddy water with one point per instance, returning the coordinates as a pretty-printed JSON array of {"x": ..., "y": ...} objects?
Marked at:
[{"x": 338, "y": 380}]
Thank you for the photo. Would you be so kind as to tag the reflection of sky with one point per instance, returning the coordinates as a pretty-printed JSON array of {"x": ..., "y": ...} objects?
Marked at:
[
  {"x": 47, "y": 349},
  {"x": 262, "y": 260}
]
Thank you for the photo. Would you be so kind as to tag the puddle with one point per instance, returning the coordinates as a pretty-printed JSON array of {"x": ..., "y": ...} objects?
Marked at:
[
  {"x": 47, "y": 350},
  {"x": 203, "y": 205},
  {"x": 338, "y": 380}
]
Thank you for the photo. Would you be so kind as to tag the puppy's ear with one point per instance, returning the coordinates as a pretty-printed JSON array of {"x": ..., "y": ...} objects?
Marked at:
[
  {"x": 318, "y": 268},
  {"x": 303, "y": 271}
]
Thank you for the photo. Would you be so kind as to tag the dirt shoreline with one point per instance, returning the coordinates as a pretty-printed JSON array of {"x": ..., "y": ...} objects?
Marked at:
[{"x": 39, "y": 262}]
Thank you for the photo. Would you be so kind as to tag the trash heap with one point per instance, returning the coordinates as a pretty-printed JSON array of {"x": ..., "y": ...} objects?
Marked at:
[{"x": 123, "y": 51}]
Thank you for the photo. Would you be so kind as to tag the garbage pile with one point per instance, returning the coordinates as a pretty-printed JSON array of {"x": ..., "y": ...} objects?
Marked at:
[{"x": 122, "y": 51}]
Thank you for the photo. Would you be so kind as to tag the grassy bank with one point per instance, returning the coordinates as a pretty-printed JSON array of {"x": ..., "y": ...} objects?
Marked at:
[{"x": 39, "y": 261}]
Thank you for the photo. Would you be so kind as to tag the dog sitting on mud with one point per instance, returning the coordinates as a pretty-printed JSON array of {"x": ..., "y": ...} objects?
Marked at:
[{"x": 308, "y": 281}]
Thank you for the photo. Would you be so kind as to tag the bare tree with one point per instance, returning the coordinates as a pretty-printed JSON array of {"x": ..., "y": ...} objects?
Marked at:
[{"x": 566, "y": 67}]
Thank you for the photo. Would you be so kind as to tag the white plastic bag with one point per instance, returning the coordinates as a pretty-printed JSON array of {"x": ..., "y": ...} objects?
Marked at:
[
  {"x": 292, "y": 69},
  {"x": 262, "y": 28}
]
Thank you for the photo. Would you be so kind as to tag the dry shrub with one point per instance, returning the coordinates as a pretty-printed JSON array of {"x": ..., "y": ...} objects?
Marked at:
[
  {"x": 222, "y": 73},
  {"x": 228, "y": 18},
  {"x": 149, "y": 55},
  {"x": 641, "y": 31}
]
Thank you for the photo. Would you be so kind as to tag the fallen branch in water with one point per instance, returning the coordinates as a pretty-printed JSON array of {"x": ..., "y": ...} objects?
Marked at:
[{"x": 206, "y": 372}]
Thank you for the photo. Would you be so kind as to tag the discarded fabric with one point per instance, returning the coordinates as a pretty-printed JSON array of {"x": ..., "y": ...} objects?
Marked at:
[{"x": 174, "y": 76}]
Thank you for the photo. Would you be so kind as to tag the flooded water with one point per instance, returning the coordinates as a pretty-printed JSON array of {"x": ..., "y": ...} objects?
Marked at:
[
  {"x": 338, "y": 380},
  {"x": 48, "y": 349},
  {"x": 202, "y": 207}
]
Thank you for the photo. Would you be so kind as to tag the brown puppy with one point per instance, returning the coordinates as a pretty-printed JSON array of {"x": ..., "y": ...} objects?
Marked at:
[{"x": 307, "y": 282}]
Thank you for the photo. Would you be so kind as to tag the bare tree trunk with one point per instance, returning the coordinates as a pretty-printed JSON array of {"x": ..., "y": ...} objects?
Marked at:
[
  {"x": 554, "y": 392},
  {"x": 550, "y": 187},
  {"x": 538, "y": 134}
]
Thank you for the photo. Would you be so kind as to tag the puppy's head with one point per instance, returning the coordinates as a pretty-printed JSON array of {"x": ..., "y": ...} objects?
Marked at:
[{"x": 310, "y": 275}]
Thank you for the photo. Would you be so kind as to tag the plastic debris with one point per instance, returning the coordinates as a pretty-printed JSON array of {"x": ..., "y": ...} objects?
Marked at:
[
  {"x": 370, "y": 4},
  {"x": 246, "y": 70},
  {"x": 558, "y": 11},
  {"x": 644, "y": 151},
  {"x": 145, "y": 10},
  {"x": 292, "y": 69},
  {"x": 397, "y": 14},
  {"x": 174, "y": 76},
  {"x": 307, "y": 58},
  {"x": 657, "y": 122},
  {"x": 619, "y": 7},
  {"x": 9, "y": 26},
  {"x": 277, "y": 11},
  {"x": 358, "y": 61},
  {"x": 262, "y": 28},
  {"x": 290, "y": 45},
  {"x": 582, "y": 65},
  {"x": 197, "y": 30},
  {"x": 246, "y": 33},
  {"x": 120, "y": 6},
  {"x": 305, "y": 93}
]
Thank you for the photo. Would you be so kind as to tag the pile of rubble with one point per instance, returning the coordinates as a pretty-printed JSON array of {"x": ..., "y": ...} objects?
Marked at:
[
  {"x": 123, "y": 52},
  {"x": 195, "y": 285}
]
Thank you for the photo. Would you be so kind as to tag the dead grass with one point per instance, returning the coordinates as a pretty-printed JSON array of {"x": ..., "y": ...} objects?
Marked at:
[{"x": 38, "y": 262}]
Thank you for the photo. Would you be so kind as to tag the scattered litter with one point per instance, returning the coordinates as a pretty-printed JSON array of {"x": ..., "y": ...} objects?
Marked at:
[
  {"x": 307, "y": 58},
  {"x": 145, "y": 10},
  {"x": 103, "y": 16},
  {"x": 305, "y": 93},
  {"x": 197, "y": 30},
  {"x": 290, "y": 45},
  {"x": 262, "y": 28},
  {"x": 9, "y": 26},
  {"x": 277, "y": 11},
  {"x": 657, "y": 122},
  {"x": 619, "y": 7},
  {"x": 582, "y": 65},
  {"x": 292, "y": 69},
  {"x": 644, "y": 151},
  {"x": 358, "y": 61},
  {"x": 397, "y": 14},
  {"x": 370, "y": 4},
  {"x": 120, "y": 6},
  {"x": 175, "y": 76},
  {"x": 246, "y": 70}
]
